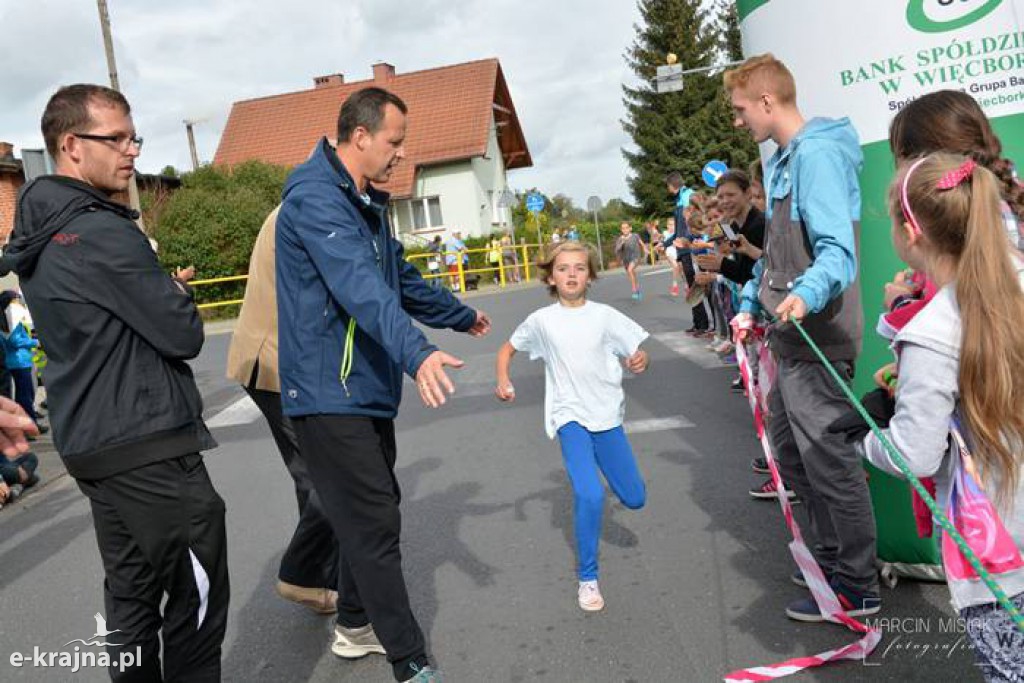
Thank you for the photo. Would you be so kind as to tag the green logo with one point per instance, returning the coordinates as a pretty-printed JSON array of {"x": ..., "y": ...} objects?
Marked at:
[{"x": 918, "y": 18}]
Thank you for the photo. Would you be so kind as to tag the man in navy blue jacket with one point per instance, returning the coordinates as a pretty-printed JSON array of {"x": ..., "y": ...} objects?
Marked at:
[{"x": 346, "y": 300}]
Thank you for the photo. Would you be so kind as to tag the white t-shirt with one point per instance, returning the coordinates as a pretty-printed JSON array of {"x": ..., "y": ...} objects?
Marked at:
[{"x": 581, "y": 348}]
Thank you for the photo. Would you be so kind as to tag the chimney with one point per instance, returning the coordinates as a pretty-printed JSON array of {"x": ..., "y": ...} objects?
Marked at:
[
  {"x": 6, "y": 150},
  {"x": 383, "y": 72},
  {"x": 327, "y": 81}
]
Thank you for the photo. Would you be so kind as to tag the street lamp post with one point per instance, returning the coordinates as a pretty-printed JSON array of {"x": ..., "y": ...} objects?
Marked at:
[{"x": 108, "y": 46}]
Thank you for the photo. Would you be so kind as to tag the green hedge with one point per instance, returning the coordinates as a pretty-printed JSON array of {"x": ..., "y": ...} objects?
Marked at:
[{"x": 212, "y": 223}]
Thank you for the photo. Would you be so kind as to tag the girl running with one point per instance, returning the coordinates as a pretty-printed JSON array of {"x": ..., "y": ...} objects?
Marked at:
[
  {"x": 629, "y": 249},
  {"x": 583, "y": 345},
  {"x": 962, "y": 357}
]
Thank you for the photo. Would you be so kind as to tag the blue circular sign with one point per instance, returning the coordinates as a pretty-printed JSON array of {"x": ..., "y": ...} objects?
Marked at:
[
  {"x": 713, "y": 170},
  {"x": 535, "y": 202}
]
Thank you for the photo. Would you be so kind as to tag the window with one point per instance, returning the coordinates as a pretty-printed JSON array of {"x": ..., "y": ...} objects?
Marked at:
[
  {"x": 426, "y": 213},
  {"x": 496, "y": 210},
  {"x": 434, "y": 203},
  {"x": 419, "y": 216},
  {"x": 421, "y": 213}
]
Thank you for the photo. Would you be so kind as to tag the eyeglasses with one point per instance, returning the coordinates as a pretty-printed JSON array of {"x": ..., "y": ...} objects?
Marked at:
[{"x": 122, "y": 142}]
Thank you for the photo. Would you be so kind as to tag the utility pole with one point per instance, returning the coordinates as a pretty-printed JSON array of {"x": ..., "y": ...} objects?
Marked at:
[
  {"x": 108, "y": 45},
  {"x": 192, "y": 143}
]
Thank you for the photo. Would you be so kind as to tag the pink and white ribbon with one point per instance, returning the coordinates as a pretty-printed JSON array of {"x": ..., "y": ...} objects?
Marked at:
[{"x": 823, "y": 594}]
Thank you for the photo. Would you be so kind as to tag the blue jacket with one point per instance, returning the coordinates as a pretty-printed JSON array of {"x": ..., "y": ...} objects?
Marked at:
[
  {"x": 346, "y": 297},
  {"x": 819, "y": 166},
  {"x": 18, "y": 347}
]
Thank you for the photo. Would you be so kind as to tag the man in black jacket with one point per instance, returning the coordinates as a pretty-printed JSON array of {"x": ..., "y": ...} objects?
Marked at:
[{"x": 124, "y": 407}]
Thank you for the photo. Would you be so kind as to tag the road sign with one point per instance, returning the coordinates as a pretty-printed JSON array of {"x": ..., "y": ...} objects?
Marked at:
[
  {"x": 669, "y": 78},
  {"x": 713, "y": 170},
  {"x": 594, "y": 203},
  {"x": 535, "y": 202}
]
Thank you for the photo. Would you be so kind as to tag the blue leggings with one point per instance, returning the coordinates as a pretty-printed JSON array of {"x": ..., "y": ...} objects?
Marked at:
[{"x": 585, "y": 453}]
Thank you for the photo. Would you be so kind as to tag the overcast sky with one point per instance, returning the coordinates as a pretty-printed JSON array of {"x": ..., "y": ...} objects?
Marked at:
[{"x": 194, "y": 58}]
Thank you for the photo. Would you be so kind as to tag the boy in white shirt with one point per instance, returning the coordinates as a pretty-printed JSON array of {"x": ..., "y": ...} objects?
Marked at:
[{"x": 583, "y": 345}]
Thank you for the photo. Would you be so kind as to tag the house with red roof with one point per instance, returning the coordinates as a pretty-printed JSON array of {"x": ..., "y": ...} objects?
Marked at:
[{"x": 463, "y": 136}]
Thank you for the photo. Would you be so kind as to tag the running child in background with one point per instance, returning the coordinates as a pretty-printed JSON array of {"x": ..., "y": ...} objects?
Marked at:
[
  {"x": 671, "y": 254},
  {"x": 960, "y": 358},
  {"x": 630, "y": 249},
  {"x": 584, "y": 345}
]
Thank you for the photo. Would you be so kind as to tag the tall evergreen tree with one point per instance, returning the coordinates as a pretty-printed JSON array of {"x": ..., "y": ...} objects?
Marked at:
[{"x": 681, "y": 130}]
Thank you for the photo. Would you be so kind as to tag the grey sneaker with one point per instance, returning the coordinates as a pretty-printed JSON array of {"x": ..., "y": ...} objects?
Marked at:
[
  {"x": 427, "y": 674},
  {"x": 353, "y": 643}
]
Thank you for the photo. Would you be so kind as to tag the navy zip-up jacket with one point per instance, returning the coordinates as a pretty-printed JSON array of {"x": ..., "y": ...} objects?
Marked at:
[{"x": 346, "y": 297}]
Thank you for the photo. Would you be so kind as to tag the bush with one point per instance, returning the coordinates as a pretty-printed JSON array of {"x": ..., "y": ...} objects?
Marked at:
[{"x": 213, "y": 220}]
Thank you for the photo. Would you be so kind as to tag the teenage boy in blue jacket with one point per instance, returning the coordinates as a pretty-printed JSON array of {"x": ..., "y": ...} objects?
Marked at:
[
  {"x": 346, "y": 300},
  {"x": 808, "y": 272}
]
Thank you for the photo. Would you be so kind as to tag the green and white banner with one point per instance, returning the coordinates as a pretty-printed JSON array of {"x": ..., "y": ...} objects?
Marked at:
[{"x": 866, "y": 59}]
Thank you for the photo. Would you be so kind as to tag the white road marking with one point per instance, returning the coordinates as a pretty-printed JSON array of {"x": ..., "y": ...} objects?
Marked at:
[
  {"x": 657, "y": 424},
  {"x": 693, "y": 350},
  {"x": 241, "y": 412},
  {"x": 657, "y": 271}
]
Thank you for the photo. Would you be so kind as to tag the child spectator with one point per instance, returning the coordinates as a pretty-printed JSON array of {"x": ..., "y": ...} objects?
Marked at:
[
  {"x": 960, "y": 358},
  {"x": 16, "y": 475},
  {"x": 582, "y": 344},
  {"x": 17, "y": 347},
  {"x": 953, "y": 121}
]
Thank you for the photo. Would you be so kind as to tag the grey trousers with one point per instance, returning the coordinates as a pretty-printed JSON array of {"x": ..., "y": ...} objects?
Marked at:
[{"x": 824, "y": 470}]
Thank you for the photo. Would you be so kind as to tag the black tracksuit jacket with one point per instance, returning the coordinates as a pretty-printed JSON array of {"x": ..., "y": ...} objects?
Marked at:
[{"x": 117, "y": 331}]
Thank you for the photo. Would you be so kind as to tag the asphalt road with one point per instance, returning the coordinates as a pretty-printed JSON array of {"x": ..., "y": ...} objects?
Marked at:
[{"x": 695, "y": 583}]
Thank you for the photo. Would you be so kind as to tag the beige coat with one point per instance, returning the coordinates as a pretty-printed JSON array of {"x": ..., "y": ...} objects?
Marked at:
[{"x": 255, "y": 337}]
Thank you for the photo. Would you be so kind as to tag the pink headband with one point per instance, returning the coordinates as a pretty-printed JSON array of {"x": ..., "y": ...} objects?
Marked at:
[
  {"x": 904, "y": 202},
  {"x": 946, "y": 182}
]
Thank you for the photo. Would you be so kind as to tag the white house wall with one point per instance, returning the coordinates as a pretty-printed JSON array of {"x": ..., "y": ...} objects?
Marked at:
[
  {"x": 491, "y": 181},
  {"x": 467, "y": 190}
]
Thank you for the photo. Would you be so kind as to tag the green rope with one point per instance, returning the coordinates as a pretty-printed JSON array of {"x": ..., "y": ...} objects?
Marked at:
[{"x": 941, "y": 518}]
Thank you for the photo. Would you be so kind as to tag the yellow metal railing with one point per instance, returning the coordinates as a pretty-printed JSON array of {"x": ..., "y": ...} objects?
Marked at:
[
  {"x": 216, "y": 281},
  {"x": 456, "y": 272},
  {"x": 504, "y": 272}
]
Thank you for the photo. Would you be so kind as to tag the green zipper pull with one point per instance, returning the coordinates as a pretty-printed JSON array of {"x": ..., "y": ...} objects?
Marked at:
[{"x": 347, "y": 357}]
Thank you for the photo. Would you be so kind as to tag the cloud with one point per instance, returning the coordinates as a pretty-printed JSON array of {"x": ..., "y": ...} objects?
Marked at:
[{"x": 192, "y": 59}]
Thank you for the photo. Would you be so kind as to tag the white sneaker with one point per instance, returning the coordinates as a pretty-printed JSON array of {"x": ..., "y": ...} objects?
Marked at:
[
  {"x": 353, "y": 643},
  {"x": 589, "y": 596}
]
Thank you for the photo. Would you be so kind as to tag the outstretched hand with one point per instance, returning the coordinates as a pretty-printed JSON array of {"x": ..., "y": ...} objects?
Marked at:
[
  {"x": 481, "y": 326},
  {"x": 433, "y": 382},
  {"x": 14, "y": 426}
]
